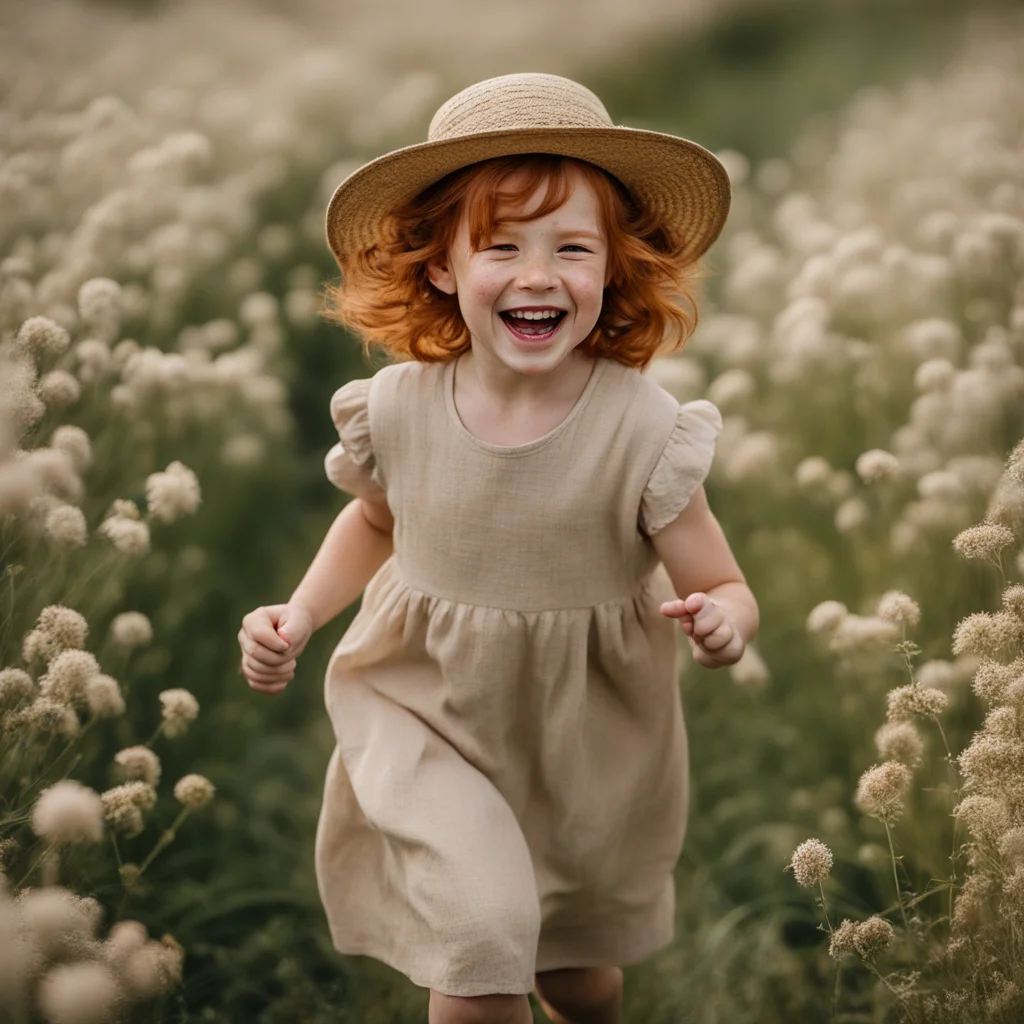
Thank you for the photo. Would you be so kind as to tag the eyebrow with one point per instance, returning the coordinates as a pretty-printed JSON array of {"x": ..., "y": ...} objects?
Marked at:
[{"x": 576, "y": 232}]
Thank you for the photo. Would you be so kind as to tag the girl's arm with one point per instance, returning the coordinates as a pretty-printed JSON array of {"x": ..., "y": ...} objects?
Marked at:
[
  {"x": 358, "y": 543},
  {"x": 699, "y": 561}
]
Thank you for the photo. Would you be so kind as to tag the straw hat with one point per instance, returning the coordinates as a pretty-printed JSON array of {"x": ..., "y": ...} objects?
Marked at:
[{"x": 536, "y": 113}]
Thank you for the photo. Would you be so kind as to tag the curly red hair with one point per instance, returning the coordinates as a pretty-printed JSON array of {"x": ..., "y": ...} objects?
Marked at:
[{"x": 385, "y": 295}]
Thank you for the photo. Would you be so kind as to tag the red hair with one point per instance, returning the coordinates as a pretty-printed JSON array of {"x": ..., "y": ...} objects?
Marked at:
[{"x": 385, "y": 296}]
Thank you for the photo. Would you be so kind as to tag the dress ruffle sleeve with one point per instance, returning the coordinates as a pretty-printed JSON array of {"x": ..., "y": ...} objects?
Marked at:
[
  {"x": 350, "y": 465},
  {"x": 682, "y": 467}
]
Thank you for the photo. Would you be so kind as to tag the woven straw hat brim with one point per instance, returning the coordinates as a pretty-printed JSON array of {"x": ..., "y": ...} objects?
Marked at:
[{"x": 672, "y": 176}]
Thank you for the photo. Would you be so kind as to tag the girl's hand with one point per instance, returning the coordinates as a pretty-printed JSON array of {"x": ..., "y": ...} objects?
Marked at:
[
  {"x": 272, "y": 637},
  {"x": 714, "y": 640}
]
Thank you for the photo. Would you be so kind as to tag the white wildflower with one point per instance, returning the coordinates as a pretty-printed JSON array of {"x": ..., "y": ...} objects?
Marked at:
[
  {"x": 193, "y": 791},
  {"x": 811, "y": 863},
  {"x": 173, "y": 493},
  {"x": 68, "y": 813}
]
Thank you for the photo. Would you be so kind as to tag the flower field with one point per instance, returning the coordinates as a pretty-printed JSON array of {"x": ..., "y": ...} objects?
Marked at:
[{"x": 856, "y": 844}]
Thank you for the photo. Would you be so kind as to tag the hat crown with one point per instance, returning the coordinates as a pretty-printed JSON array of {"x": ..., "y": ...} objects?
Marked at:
[{"x": 530, "y": 100}]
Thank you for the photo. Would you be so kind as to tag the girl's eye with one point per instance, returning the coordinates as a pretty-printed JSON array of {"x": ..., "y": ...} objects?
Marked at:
[{"x": 571, "y": 245}]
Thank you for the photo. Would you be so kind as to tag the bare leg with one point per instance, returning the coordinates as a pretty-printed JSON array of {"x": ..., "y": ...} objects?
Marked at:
[
  {"x": 479, "y": 1009},
  {"x": 581, "y": 995}
]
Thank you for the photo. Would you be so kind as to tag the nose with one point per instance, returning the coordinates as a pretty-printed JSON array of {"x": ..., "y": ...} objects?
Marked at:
[{"x": 536, "y": 274}]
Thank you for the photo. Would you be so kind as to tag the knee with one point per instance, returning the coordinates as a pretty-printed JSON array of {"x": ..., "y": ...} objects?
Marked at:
[
  {"x": 494, "y": 1009},
  {"x": 575, "y": 990}
]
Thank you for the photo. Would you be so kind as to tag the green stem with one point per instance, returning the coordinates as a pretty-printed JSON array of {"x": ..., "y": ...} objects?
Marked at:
[
  {"x": 103, "y": 562},
  {"x": 824, "y": 909},
  {"x": 954, "y": 794},
  {"x": 895, "y": 877},
  {"x": 166, "y": 838},
  {"x": 156, "y": 735},
  {"x": 28, "y": 874}
]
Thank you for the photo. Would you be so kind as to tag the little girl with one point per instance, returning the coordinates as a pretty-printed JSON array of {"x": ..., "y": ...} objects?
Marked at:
[{"x": 508, "y": 795}]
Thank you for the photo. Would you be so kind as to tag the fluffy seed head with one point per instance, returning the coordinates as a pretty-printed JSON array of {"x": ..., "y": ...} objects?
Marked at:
[
  {"x": 65, "y": 525},
  {"x": 75, "y": 442},
  {"x": 193, "y": 791},
  {"x": 934, "y": 375},
  {"x": 1013, "y": 600},
  {"x": 969, "y": 905},
  {"x": 940, "y": 674},
  {"x": 123, "y": 805},
  {"x": 67, "y": 677},
  {"x": 131, "y": 629},
  {"x": 881, "y": 790},
  {"x": 1013, "y": 894},
  {"x": 899, "y": 608},
  {"x": 993, "y": 678},
  {"x": 900, "y": 741},
  {"x": 78, "y": 993},
  {"x": 60, "y": 629},
  {"x": 16, "y": 687},
  {"x": 991, "y": 763},
  {"x": 863, "y": 634},
  {"x": 1011, "y": 846},
  {"x": 41, "y": 336},
  {"x": 104, "y": 697},
  {"x": 986, "y": 818},
  {"x": 173, "y": 493},
  {"x": 986, "y": 634},
  {"x": 139, "y": 763},
  {"x": 127, "y": 535},
  {"x": 812, "y": 472},
  {"x": 175, "y": 957},
  {"x": 123, "y": 939},
  {"x": 124, "y": 507},
  {"x": 873, "y": 936},
  {"x": 99, "y": 303},
  {"x": 1001, "y": 722},
  {"x": 985, "y": 541},
  {"x": 59, "y": 389},
  {"x": 50, "y": 718},
  {"x": 68, "y": 813},
  {"x": 907, "y": 701},
  {"x": 842, "y": 942},
  {"x": 876, "y": 465},
  {"x": 851, "y": 514},
  {"x": 826, "y": 616},
  {"x": 145, "y": 971},
  {"x": 57, "y": 921},
  {"x": 179, "y": 708}
]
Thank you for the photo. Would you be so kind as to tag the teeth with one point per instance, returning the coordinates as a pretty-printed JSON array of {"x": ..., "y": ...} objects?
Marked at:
[{"x": 548, "y": 314}]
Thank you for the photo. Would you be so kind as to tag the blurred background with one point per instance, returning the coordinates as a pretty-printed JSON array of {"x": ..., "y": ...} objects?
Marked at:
[{"x": 187, "y": 150}]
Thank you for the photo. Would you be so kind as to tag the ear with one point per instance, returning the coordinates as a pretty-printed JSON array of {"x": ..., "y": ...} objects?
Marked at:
[{"x": 440, "y": 273}]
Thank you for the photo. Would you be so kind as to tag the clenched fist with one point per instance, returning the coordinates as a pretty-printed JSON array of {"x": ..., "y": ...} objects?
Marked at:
[{"x": 272, "y": 637}]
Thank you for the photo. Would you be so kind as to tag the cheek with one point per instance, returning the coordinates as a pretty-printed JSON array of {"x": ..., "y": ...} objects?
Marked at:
[
  {"x": 484, "y": 289},
  {"x": 590, "y": 288}
]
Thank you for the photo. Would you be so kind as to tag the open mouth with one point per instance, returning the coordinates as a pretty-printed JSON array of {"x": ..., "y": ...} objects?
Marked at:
[{"x": 532, "y": 330}]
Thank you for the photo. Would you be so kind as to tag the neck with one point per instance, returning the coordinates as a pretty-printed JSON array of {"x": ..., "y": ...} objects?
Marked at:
[{"x": 489, "y": 375}]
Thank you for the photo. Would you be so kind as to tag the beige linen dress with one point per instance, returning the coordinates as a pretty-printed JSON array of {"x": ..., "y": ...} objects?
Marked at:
[{"x": 508, "y": 793}]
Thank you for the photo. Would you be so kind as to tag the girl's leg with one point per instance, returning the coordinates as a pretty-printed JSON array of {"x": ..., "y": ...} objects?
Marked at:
[
  {"x": 581, "y": 995},
  {"x": 478, "y": 1009}
]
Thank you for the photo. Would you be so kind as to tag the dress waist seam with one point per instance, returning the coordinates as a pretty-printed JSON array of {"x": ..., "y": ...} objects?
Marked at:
[{"x": 628, "y": 598}]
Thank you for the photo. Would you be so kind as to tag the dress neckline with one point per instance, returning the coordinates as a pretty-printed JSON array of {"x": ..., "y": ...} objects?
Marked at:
[{"x": 600, "y": 364}]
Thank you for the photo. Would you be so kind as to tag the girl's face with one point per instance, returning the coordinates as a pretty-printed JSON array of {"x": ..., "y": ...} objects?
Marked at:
[{"x": 555, "y": 264}]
